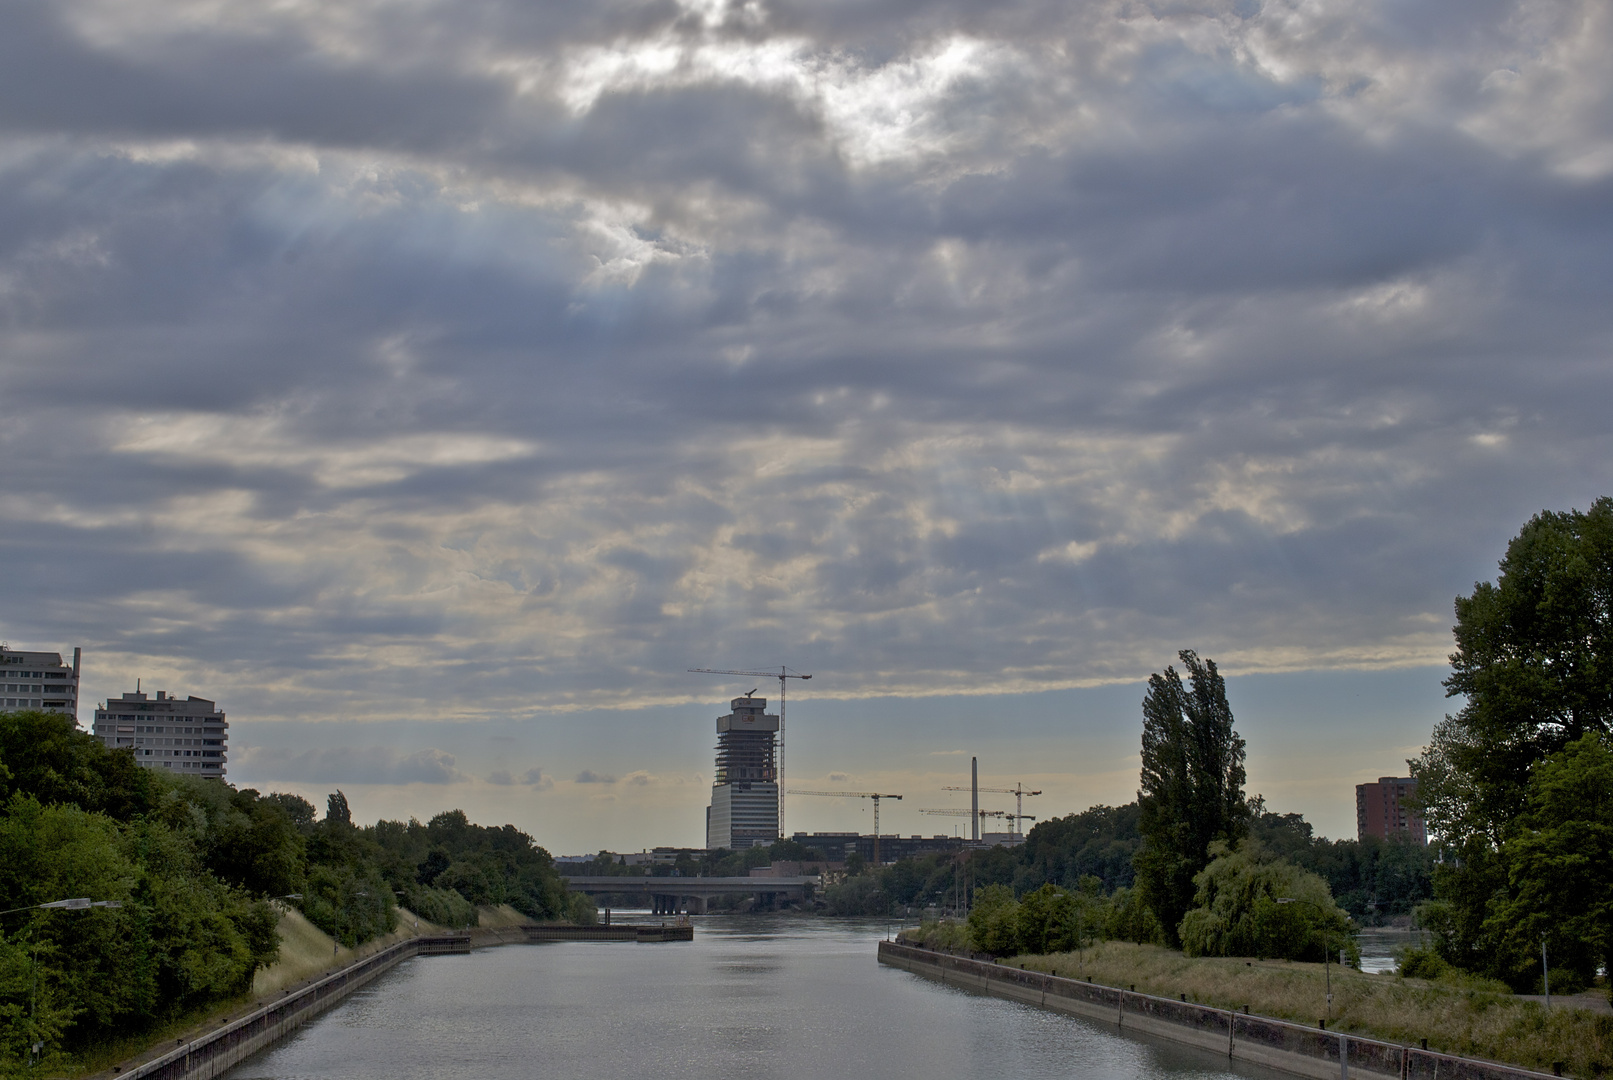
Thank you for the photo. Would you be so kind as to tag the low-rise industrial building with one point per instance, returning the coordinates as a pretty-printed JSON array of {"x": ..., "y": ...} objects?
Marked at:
[{"x": 837, "y": 846}]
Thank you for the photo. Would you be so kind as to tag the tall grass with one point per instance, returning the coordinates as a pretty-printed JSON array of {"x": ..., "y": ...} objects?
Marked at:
[{"x": 1474, "y": 1018}]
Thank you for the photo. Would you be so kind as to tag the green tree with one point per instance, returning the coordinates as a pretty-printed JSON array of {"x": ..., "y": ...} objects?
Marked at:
[
  {"x": 1192, "y": 785},
  {"x": 1238, "y": 912},
  {"x": 1101, "y": 842},
  {"x": 45, "y": 755},
  {"x": 1534, "y": 662},
  {"x": 1560, "y": 871},
  {"x": 994, "y": 920}
]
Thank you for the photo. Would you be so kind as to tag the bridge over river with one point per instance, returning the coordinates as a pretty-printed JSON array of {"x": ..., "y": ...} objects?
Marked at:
[{"x": 675, "y": 895}]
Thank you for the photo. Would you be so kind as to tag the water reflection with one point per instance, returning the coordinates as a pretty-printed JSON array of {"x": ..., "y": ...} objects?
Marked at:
[
  {"x": 752, "y": 997},
  {"x": 1379, "y": 945}
]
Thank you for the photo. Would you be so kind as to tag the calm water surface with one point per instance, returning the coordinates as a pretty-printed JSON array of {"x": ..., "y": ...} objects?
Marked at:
[{"x": 752, "y": 997}]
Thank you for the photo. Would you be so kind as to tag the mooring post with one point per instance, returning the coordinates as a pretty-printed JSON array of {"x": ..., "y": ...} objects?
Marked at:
[{"x": 1344, "y": 1056}]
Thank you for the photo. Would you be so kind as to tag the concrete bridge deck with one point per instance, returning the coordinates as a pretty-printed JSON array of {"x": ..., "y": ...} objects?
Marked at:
[{"x": 672, "y": 895}]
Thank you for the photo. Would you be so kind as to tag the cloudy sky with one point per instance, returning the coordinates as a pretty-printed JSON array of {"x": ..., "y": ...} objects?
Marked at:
[{"x": 433, "y": 383}]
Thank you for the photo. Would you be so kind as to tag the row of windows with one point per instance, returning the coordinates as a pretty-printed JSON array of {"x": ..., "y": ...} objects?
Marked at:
[
  {"x": 166, "y": 730},
  {"x": 210, "y": 766}
]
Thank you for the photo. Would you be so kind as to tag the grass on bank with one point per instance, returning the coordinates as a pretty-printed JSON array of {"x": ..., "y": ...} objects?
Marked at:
[
  {"x": 1470, "y": 1017},
  {"x": 306, "y": 952}
]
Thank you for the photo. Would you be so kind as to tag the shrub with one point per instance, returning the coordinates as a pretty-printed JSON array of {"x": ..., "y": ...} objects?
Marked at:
[
  {"x": 1415, "y": 963},
  {"x": 1239, "y": 913}
]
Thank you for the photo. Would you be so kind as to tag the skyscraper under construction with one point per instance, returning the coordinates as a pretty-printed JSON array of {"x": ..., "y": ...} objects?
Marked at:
[{"x": 744, "y": 796}]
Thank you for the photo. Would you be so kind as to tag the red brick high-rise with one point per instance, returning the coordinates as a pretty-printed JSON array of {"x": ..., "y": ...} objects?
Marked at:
[{"x": 1381, "y": 811}]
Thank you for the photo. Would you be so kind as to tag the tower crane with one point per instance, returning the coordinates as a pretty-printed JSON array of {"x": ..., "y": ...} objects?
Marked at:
[
  {"x": 781, "y": 674},
  {"x": 874, "y": 795},
  {"x": 958, "y": 811},
  {"x": 1018, "y": 791}
]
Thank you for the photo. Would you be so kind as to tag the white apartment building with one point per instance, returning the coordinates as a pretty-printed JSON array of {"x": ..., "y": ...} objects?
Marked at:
[
  {"x": 188, "y": 735},
  {"x": 38, "y": 680}
]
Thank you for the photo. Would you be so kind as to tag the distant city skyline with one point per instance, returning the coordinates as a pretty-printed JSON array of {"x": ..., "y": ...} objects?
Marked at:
[{"x": 1312, "y": 737}]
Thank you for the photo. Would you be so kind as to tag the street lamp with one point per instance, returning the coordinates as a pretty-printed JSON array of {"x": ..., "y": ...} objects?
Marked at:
[
  {"x": 77, "y": 903},
  {"x": 1326, "y": 948}
]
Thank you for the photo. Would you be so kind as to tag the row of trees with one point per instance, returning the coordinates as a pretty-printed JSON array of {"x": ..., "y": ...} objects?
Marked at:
[
  {"x": 1184, "y": 866},
  {"x": 1517, "y": 786},
  {"x": 194, "y": 865}
]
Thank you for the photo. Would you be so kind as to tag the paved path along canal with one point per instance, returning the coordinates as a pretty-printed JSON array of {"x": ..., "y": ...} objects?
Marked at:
[{"x": 754, "y": 997}]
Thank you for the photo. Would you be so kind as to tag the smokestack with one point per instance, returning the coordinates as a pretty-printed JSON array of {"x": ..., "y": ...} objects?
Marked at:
[
  {"x": 77, "y": 654},
  {"x": 974, "y": 799}
]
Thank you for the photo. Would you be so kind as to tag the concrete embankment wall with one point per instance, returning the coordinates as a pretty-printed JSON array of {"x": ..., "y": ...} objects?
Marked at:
[
  {"x": 1278, "y": 1044},
  {"x": 216, "y": 1052}
]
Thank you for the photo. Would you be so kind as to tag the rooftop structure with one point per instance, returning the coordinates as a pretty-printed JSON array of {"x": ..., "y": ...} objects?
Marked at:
[
  {"x": 38, "y": 680},
  {"x": 189, "y": 735},
  {"x": 1380, "y": 810},
  {"x": 744, "y": 810}
]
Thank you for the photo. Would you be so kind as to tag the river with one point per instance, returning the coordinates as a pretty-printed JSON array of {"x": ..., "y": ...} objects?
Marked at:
[{"x": 754, "y": 996}]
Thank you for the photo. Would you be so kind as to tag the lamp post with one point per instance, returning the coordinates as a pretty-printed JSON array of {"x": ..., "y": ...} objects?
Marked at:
[
  {"x": 1327, "y": 947},
  {"x": 1545, "y": 970},
  {"x": 77, "y": 903}
]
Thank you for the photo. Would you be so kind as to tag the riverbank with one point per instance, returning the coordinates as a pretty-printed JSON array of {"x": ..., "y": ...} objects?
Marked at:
[
  {"x": 1316, "y": 1053},
  {"x": 307, "y": 955},
  {"x": 1473, "y": 1020}
]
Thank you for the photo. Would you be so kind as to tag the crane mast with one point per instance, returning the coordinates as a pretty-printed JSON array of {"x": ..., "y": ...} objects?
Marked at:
[
  {"x": 781, "y": 674},
  {"x": 958, "y": 811},
  {"x": 1018, "y": 791}
]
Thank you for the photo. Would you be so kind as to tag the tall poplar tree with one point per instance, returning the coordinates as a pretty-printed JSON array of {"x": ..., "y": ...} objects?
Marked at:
[{"x": 1191, "y": 786}]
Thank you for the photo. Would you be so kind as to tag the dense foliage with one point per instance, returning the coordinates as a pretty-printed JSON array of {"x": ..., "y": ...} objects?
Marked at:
[
  {"x": 195, "y": 865},
  {"x": 1191, "y": 786},
  {"x": 1252, "y": 903},
  {"x": 1515, "y": 783},
  {"x": 1371, "y": 879},
  {"x": 81, "y": 821}
]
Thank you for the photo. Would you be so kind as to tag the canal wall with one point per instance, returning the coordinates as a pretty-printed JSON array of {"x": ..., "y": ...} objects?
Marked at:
[
  {"x": 1293, "y": 1048},
  {"x": 216, "y": 1052}
]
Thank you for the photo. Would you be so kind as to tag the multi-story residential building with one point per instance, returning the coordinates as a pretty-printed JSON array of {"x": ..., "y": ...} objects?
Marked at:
[
  {"x": 39, "y": 680},
  {"x": 744, "y": 800},
  {"x": 1381, "y": 810},
  {"x": 187, "y": 735}
]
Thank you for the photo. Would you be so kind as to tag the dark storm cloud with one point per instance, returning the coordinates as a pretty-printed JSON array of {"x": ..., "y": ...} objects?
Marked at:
[{"x": 473, "y": 359}]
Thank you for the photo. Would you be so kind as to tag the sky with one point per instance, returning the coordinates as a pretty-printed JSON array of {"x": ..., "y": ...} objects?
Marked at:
[{"x": 432, "y": 384}]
